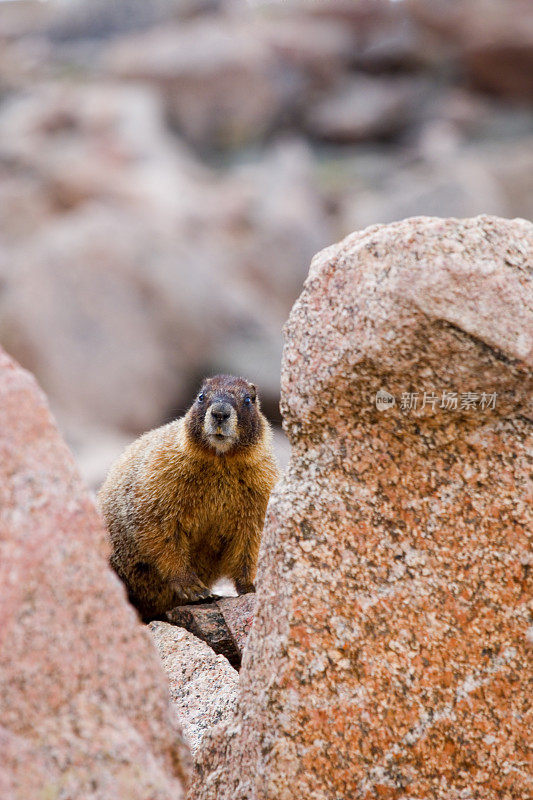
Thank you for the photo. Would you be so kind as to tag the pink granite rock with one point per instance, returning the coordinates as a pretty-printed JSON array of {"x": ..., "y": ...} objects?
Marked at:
[
  {"x": 365, "y": 107},
  {"x": 388, "y": 658},
  {"x": 206, "y": 622},
  {"x": 223, "y": 624},
  {"x": 238, "y": 613},
  {"x": 203, "y": 685},
  {"x": 218, "y": 77},
  {"x": 490, "y": 40},
  {"x": 84, "y": 704}
]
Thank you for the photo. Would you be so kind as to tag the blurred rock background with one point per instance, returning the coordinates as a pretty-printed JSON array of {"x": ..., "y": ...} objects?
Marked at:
[{"x": 169, "y": 168}]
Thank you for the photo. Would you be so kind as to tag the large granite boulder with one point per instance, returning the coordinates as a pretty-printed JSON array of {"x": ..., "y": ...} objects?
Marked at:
[
  {"x": 388, "y": 655},
  {"x": 221, "y": 82},
  {"x": 85, "y": 709}
]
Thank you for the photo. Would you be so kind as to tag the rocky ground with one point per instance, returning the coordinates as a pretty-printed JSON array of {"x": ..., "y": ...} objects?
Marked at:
[
  {"x": 390, "y": 653},
  {"x": 167, "y": 172},
  {"x": 168, "y": 169}
]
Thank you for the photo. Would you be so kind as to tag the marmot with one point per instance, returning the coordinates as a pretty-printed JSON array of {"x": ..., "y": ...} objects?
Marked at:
[{"x": 185, "y": 503}]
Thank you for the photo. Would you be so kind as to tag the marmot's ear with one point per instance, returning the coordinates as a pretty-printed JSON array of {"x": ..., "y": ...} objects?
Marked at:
[{"x": 253, "y": 391}]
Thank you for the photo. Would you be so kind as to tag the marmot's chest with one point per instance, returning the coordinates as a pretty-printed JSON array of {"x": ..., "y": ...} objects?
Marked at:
[{"x": 217, "y": 499}]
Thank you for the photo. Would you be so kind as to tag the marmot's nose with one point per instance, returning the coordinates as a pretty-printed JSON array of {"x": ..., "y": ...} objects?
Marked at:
[{"x": 221, "y": 411}]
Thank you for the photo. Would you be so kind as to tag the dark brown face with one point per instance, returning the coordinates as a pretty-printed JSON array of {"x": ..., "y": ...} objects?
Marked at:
[{"x": 225, "y": 416}]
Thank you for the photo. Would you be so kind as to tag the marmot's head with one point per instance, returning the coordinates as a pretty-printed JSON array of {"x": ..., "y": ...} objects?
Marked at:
[{"x": 225, "y": 415}]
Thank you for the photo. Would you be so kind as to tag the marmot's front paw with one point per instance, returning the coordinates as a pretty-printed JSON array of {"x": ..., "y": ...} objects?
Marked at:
[
  {"x": 190, "y": 589},
  {"x": 243, "y": 587}
]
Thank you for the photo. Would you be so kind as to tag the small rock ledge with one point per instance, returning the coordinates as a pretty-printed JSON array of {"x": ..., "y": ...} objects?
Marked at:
[{"x": 223, "y": 624}]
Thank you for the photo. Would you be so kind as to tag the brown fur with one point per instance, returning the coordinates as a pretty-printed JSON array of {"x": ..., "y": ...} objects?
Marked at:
[{"x": 182, "y": 514}]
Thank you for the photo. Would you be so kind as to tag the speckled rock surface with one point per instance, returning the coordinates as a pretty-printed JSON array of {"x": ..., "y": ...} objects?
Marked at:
[
  {"x": 203, "y": 686},
  {"x": 83, "y": 699},
  {"x": 238, "y": 613},
  {"x": 205, "y": 621},
  {"x": 387, "y": 658},
  {"x": 223, "y": 624}
]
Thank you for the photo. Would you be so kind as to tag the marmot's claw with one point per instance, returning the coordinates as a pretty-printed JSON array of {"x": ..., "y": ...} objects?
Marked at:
[
  {"x": 191, "y": 592},
  {"x": 199, "y": 595},
  {"x": 203, "y": 600}
]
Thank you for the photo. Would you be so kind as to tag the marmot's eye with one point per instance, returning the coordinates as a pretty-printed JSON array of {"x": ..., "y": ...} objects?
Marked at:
[
  {"x": 247, "y": 400},
  {"x": 201, "y": 397}
]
